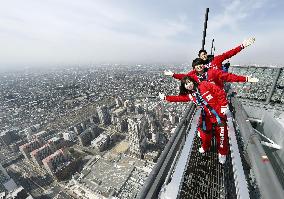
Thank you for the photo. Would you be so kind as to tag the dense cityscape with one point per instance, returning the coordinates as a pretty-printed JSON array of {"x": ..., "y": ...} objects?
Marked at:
[
  {"x": 94, "y": 132},
  {"x": 84, "y": 132}
]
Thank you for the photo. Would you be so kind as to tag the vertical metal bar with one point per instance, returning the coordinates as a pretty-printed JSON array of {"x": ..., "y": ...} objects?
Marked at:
[
  {"x": 205, "y": 27},
  {"x": 273, "y": 86},
  {"x": 212, "y": 45}
]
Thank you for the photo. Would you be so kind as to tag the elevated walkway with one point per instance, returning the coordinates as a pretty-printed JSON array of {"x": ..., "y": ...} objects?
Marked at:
[
  {"x": 182, "y": 172},
  {"x": 203, "y": 176}
]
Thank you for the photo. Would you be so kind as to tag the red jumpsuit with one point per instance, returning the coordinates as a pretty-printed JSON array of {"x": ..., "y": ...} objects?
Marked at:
[
  {"x": 216, "y": 63},
  {"x": 217, "y": 77},
  {"x": 215, "y": 99}
]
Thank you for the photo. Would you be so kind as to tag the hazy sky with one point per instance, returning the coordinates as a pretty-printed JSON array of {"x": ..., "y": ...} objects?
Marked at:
[{"x": 61, "y": 32}]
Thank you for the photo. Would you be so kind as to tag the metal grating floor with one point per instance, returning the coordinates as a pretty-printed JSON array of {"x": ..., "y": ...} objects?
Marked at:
[{"x": 204, "y": 177}]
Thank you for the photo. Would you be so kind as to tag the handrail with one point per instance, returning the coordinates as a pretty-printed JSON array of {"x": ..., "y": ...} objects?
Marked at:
[
  {"x": 158, "y": 175},
  {"x": 242, "y": 190},
  {"x": 273, "y": 85},
  {"x": 267, "y": 181}
]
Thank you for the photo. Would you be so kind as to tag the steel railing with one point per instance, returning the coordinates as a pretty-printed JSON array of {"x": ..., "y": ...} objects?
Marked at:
[{"x": 157, "y": 177}]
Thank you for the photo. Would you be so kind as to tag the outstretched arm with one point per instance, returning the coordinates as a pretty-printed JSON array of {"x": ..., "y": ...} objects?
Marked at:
[
  {"x": 180, "y": 76},
  {"x": 230, "y": 77},
  {"x": 217, "y": 61},
  {"x": 177, "y": 98},
  {"x": 176, "y": 75}
]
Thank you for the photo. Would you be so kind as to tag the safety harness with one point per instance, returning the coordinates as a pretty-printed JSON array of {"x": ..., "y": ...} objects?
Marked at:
[
  {"x": 203, "y": 76},
  {"x": 200, "y": 102}
]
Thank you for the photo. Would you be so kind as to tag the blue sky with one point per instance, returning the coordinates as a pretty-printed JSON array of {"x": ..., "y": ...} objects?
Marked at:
[{"x": 67, "y": 32}]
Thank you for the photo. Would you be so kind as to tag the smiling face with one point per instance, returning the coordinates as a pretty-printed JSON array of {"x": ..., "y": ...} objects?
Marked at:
[
  {"x": 203, "y": 55},
  {"x": 189, "y": 85},
  {"x": 199, "y": 68}
]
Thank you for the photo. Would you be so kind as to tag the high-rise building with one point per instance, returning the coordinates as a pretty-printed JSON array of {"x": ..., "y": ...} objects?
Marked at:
[
  {"x": 95, "y": 119},
  {"x": 18, "y": 193},
  {"x": 138, "y": 109},
  {"x": 70, "y": 136},
  {"x": 117, "y": 114},
  {"x": 96, "y": 130},
  {"x": 43, "y": 135},
  {"x": 155, "y": 131},
  {"x": 89, "y": 134},
  {"x": 6, "y": 137},
  {"x": 78, "y": 128},
  {"x": 85, "y": 137},
  {"x": 4, "y": 177},
  {"x": 129, "y": 105},
  {"x": 27, "y": 148},
  {"x": 101, "y": 142},
  {"x": 159, "y": 112},
  {"x": 121, "y": 125},
  {"x": 6, "y": 183},
  {"x": 173, "y": 118},
  {"x": 39, "y": 154},
  {"x": 137, "y": 128},
  {"x": 104, "y": 115},
  {"x": 118, "y": 102},
  {"x": 55, "y": 160}
]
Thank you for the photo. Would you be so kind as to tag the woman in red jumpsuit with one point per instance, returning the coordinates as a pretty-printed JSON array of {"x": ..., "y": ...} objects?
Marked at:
[{"x": 214, "y": 106}]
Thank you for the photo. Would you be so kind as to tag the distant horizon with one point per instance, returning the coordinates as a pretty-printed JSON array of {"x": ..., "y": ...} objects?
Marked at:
[{"x": 54, "y": 67}]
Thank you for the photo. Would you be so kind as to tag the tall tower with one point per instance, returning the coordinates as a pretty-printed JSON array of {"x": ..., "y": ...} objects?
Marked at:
[
  {"x": 159, "y": 112},
  {"x": 155, "y": 131},
  {"x": 118, "y": 102},
  {"x": 104, "y": 115},
  {"x": 137, "y": 127}
]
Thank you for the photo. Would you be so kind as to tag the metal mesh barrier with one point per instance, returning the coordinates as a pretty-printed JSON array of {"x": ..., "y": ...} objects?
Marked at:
[{"x": 205, "y": 177}]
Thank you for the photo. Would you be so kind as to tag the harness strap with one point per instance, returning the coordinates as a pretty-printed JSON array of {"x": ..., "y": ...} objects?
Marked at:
[{"x": 200, "y": 101}]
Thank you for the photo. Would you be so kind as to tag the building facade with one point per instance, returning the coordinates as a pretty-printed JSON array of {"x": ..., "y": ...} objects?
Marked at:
[{"x": 27, "y": 148}]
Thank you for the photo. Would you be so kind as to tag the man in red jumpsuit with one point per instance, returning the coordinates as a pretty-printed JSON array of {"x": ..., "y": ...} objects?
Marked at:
[
  {"x": 216, "y": 62},
  {"x": 216, "y": 76},
  {"x": 212, "y": 100}
]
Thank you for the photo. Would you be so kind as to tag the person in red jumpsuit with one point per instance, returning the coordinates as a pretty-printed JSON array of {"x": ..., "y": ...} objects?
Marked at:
[
  {"x": 216, "y": 62},
  {"x": 216, "y": 76},
  {"x": 213, "y": 103}
]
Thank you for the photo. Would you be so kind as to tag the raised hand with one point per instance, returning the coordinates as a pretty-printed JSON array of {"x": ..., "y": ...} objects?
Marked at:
[
  {"x": 168, "y": 73},
  {"x": 162, "y": 96},
  {"x": 248, "y": 42},
  {"x": 253, "y": 79}
]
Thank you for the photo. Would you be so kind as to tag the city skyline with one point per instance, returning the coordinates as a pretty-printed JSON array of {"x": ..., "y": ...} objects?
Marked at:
[
  {"x": 95, "y": 125},
  {"x": 41, "y": 34},
  {"x": 100, "y": 132}
]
